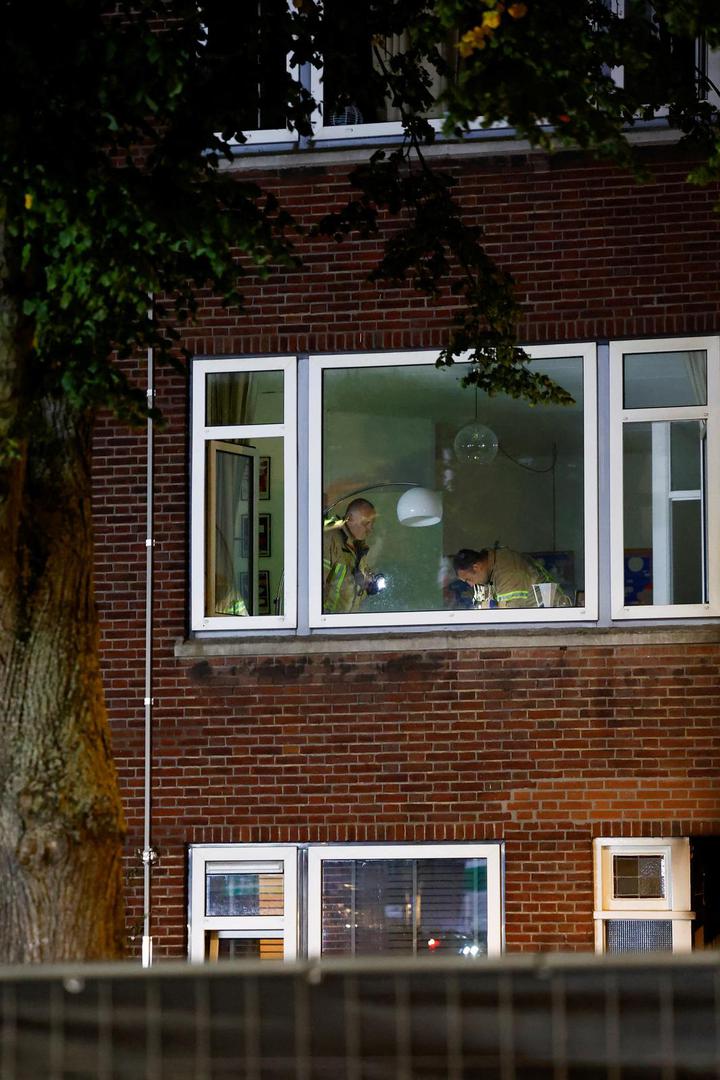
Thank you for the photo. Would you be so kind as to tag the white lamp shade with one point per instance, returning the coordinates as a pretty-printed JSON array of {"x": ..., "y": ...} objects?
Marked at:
[{"x": 419, "y": 506}]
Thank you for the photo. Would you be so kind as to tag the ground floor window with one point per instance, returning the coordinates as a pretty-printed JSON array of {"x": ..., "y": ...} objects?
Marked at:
[
  {"x": 279, "y": 901},
  {"x": 642, "y": 895}
]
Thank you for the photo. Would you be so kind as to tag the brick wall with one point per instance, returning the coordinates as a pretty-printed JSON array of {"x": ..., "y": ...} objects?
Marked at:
[{"x": 543, "y": 747}]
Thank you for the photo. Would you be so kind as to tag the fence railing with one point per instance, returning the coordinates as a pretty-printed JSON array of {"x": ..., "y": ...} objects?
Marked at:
[{"x": 517, "y": 1018}]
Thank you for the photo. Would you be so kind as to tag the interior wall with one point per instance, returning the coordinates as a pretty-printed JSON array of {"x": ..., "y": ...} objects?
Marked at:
[{"x": 360, "y": 450}]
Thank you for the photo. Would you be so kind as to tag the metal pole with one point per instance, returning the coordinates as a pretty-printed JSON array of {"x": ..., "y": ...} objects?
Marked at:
[{"x": 148, "y": 855}]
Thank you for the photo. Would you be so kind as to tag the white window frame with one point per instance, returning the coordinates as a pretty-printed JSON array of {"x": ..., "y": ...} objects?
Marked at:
[
  {"x": 351, "y": 852},
  {"x": 203, "y": 433},
  {"x": 282, "y": 927},
  {"x": 318, "y": 619},
  {"x": 619, "y": 416},
  {"x": 675, "y": 905}
]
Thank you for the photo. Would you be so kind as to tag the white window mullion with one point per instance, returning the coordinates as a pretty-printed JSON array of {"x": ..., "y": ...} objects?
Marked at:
[{"x": 661, "y": 530}]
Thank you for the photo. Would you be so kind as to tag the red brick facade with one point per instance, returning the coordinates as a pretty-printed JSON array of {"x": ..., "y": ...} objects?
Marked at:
[{"x": 541, "y": 742}]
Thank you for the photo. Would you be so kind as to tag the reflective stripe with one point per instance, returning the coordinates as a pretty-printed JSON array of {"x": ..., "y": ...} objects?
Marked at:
[{"x": 334, "y": 587}]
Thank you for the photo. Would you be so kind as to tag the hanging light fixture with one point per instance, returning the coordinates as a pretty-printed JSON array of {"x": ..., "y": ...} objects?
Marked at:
[
  {"x": 476, "y": 443},
  {"x": 417, "y": 507}
]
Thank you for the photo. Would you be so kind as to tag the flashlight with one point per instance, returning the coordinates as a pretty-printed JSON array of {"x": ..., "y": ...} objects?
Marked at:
[{"x": 375, "y": 584}]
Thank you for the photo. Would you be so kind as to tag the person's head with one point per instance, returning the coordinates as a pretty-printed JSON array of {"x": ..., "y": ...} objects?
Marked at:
[
  {"x": 472, "y": 567},
  {"x": 360, "y": 518}
]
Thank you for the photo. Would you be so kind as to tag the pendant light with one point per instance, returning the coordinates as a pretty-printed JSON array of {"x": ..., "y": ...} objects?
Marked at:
[{"x": 476, "y": 443}]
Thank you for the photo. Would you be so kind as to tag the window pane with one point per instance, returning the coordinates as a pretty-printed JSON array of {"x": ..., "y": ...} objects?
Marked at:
[
  {"x": 664, "y": 379},
  {"x": 239, "y": 893},
  {"x": 686, "y": 450},
  {"x": 254, "y": 37},
  {"x": 352, "y": 87},
  {"x": 638, "y": 935},
  {"x": 223, "y": 946},
  {"x": 388, "y": 430},
  {"x": 245, "y": 555},
  {"x": 672, "y": 63},
  {"x": 664, "y": 534},
  {"x": 687, "y": 566},
  {"x": 638, "y": 876},
  {"x": 242, "y": 397},
  {"x": 405, "y": 907}
]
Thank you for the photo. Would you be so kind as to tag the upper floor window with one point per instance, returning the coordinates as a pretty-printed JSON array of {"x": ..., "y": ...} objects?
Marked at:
[
  {"x": 254, "y": 36},
  {"x": 673, "y": 67},
  {"x": 349, "y": 88}
]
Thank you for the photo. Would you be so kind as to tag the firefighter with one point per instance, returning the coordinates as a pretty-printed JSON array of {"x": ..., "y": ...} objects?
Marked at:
[
  {"x": 503, "y": 578},
  {"x": 347, "y": 577}
]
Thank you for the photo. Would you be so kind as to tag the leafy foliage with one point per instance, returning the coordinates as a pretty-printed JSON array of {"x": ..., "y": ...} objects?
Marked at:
[{"x": 112, "y": 186}]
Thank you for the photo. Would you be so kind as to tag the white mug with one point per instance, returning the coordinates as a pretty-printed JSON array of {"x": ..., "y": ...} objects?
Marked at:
[{"x": 545, "y": 593}]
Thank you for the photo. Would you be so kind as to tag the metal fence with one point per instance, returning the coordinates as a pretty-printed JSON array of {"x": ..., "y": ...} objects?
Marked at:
[{"x": 518, "y": 1018}]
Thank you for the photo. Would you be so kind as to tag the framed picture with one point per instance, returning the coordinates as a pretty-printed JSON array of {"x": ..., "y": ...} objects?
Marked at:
[
  {"x": 264, "y": 544},
  {"x": 264, "y": 478},
  {"x": 244, "y": 536},
  {"x": 244, "y": 587},
  {"x": 245, "y": 480},
  {"x": 263, "y": 592}
]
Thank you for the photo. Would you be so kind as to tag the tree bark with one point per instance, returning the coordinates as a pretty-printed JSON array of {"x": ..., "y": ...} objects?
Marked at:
[{"x": 61, "y": 822}]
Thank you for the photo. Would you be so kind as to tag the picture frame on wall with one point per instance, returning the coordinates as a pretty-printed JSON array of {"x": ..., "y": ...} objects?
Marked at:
[
  {"x": 245, "y": 536},
  {"x": 264, "y": 478},
  {"x": 263, "y": 592},
  {"x": 264, "y": 539},
  {"x": 245, "y": 482}
]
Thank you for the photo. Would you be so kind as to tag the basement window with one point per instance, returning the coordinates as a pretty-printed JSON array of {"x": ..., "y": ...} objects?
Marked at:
[
  {"x": 269, "y": 902},
  {"x": 642, "y": 895}
]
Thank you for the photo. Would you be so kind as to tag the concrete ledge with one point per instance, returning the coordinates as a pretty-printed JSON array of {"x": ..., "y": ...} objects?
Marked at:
[
  {"x": 449, "y": 641},
  {"x": 497, "y": 143}
]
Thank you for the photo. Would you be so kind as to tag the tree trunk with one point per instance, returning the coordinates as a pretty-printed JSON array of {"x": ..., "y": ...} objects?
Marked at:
[{"x": 61, "y": 823}]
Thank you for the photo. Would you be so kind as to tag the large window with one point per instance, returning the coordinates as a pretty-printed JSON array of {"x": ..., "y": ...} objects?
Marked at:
[
  {"x": 273, "y": 902},
  {"x": 664, "y": 458},
  {"x": 422, "y": 503},
  {"x": 346, "y": 87},
  {"x": 401, "y": 900},
  {"x": 440, "y": 470}
]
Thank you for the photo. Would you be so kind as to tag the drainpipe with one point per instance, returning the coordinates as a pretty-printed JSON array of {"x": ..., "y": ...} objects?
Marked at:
[{"x": 148, "y": 854}]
